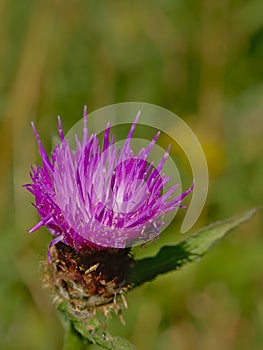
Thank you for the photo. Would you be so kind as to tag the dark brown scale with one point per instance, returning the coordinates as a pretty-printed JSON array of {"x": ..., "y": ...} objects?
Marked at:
[{"x": 89, "y": 278}]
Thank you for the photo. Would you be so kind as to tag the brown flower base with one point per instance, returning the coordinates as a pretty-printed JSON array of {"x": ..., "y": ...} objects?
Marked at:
[{"x": 89, "y": 279}]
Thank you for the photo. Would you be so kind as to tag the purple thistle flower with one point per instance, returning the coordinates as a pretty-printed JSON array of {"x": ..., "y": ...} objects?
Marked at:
[{"x": 100, "y": 197}]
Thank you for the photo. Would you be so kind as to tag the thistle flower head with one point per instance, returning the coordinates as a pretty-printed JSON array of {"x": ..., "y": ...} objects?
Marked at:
[{"x": 100, "y": 197}]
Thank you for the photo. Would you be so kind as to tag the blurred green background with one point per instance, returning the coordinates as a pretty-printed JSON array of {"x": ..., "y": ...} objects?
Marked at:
[{"x": 200, "y": 59}]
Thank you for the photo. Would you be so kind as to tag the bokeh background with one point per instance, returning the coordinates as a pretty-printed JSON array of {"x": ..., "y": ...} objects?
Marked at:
[{"x": 200, "y": 59}]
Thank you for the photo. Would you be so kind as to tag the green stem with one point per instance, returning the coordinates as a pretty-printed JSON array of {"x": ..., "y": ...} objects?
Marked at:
[
  {"x": 78, "y": 337},
  {"x": 73, "y": 340}
]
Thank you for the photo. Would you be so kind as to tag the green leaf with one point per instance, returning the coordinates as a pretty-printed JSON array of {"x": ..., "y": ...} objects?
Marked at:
[
  {"x": 190, "y": 249},
  {"x": 107, "y": 341},
  {"x": 80, "y": 333}
]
